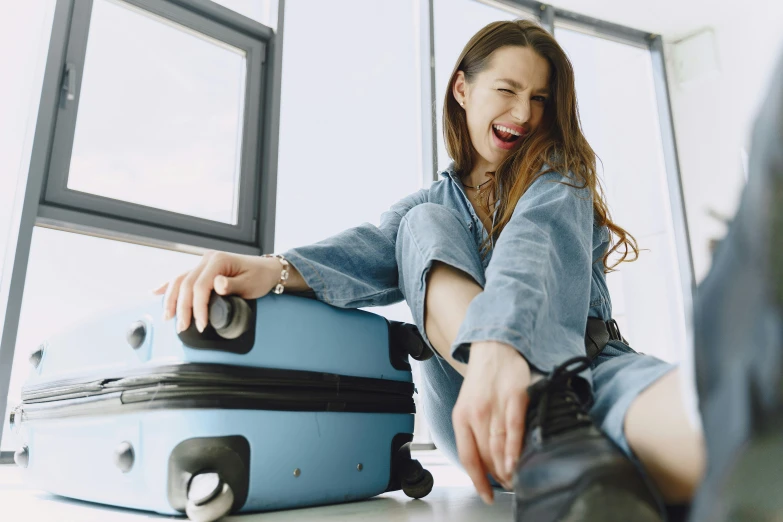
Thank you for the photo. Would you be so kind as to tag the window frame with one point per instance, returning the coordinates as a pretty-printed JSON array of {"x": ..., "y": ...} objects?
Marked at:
[{"x": 90, "y": 210}]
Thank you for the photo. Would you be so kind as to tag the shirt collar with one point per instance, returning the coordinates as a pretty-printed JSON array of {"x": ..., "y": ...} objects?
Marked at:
[{"x": 450, "y": 172}]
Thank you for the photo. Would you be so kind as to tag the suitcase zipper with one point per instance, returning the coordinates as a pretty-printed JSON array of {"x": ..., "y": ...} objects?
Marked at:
[{"x": 215, "y": 387}]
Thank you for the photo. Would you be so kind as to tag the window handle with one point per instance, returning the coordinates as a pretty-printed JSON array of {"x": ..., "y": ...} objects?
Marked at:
[{"x": 69, "y": 82}]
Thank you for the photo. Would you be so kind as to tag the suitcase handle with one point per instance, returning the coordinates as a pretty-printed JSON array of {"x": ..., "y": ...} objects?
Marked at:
[
  {"x": 230, "y": 316},
  {"x": 231, "y": 326}
]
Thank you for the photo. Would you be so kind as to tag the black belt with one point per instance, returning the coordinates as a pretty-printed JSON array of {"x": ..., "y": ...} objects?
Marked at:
[{"x": 599, "y": 333}]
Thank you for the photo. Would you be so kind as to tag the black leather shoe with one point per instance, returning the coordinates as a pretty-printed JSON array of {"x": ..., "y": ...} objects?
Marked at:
[{"x": 569, "y": 470}]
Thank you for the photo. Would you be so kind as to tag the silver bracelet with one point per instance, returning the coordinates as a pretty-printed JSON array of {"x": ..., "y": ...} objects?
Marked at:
[{"x": 283, "y": 275}]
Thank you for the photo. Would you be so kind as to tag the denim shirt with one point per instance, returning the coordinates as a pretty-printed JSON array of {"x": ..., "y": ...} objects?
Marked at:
[{"x": 544, "y": 274}]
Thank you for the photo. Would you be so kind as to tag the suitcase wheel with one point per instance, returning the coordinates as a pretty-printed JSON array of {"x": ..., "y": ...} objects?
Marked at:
[
  {"x": 415, "y": 481},
  {"x": 209, "y": 498},
  {"x": 418, "y": 484}
]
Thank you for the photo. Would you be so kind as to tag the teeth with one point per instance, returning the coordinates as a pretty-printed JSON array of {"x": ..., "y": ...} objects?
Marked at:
[{"x": 506, "y": 129}]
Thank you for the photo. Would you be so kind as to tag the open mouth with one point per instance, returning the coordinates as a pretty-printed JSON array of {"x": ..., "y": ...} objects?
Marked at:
[
  {"x": 505, "y": 138},
  {"x": 505, "y": 134}
]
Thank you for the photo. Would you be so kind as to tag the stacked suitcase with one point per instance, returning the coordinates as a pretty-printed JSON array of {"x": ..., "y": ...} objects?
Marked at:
[{"x": 281, "y": 402}]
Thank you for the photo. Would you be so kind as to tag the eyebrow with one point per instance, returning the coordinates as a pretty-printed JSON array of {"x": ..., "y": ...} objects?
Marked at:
[{"x": 515, "y": 84}]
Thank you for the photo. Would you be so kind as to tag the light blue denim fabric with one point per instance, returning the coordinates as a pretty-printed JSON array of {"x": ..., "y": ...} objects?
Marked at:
[
  {"x": 541, "y": 281},
  {"x": 738, "y": 324}
]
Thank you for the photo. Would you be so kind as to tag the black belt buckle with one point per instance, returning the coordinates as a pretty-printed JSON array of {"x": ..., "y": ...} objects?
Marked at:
[{"x": 614, "y": 330}]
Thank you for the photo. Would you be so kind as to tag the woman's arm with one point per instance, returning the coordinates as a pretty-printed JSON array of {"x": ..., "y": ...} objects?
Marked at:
[
  {"x": 357, "y": 267},
  {"x": 538, "y": 280}
]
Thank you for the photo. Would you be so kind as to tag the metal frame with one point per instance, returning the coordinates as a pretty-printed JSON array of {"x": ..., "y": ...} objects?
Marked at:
[
  {"x": 270, "y": 137},
  {"x": 428, "y": 143},
  {"x": 87, "y": 205},
  {"x": 547, "y": 18},
  {"x": 15, "y": 267},
  {"x": 259, "y": 160},
  {"x": 671, "y": 157}
]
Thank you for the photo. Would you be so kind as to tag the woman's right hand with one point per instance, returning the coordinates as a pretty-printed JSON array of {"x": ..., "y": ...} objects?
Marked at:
[{"x": 249, "y": 277}]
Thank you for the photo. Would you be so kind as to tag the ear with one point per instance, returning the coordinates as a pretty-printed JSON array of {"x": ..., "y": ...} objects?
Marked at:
[{"x": 459, "y": 90}]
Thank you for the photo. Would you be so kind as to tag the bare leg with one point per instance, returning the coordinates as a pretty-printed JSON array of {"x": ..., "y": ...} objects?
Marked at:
[
  {"x": 662, "y": 437},
  {"x": 449, "y": 292}
]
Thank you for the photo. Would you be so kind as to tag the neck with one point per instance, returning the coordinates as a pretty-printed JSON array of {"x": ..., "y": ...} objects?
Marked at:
[
  {"x": 478, "y": 173},
  {"x": 475, "y": 178}
]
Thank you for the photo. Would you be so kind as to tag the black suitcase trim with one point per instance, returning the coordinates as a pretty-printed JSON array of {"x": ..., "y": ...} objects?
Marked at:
[{"x": 216, "y": 386}]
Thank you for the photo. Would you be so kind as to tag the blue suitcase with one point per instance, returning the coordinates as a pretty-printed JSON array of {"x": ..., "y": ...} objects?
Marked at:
[{"x": 281, "y": 402}]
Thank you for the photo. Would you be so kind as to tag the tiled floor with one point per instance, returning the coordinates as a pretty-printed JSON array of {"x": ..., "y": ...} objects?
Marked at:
[{"x": 453, "y": 499}]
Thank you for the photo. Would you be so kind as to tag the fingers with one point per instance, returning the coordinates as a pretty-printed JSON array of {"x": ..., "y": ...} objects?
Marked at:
[
  {"x": 184, "y": 301},
  {"x": 515, "y": 432},
  {"x": 497, "y": 451},
  {"x": 469, "y": 455},
  {"x": 170, "y": 300},
  {"x": 202, "y": 287},
  {"x": 188, "y": 294},
  {"x": 222, "y": 285}
]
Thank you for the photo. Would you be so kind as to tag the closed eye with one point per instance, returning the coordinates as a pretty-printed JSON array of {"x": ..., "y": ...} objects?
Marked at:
[
  {"x": 506, "y": 90},
  {"x": 541, "y": 99}
]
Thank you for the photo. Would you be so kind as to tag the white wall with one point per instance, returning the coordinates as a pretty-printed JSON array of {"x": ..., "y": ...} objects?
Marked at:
[{"x": 713, "y": 113}]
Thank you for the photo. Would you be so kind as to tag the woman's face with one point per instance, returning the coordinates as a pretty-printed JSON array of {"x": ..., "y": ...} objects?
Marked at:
[{"x": 503, "y": 103}]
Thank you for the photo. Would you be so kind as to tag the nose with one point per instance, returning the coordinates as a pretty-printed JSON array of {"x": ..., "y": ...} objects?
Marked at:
[{"x": 521, "y": 110}]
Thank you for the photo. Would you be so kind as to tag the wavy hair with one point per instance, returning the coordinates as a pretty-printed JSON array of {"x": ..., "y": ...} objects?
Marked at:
[{"x": 558, "y": 143}]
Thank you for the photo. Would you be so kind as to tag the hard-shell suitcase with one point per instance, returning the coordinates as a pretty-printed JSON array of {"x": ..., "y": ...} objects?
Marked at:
[{"x": 281, "y": 402}]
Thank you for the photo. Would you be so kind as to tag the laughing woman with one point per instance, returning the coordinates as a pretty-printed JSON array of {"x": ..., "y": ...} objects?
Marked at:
[{"x": 502, "y": 263}]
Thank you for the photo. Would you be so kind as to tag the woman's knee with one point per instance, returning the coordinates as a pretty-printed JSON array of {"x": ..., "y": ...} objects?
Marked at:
[
  {"x": 431, "y": 227},
  {"x": 430, "y": 214}
]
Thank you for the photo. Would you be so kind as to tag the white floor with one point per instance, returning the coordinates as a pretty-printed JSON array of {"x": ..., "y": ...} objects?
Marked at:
[{"x": 453, "y": 499}]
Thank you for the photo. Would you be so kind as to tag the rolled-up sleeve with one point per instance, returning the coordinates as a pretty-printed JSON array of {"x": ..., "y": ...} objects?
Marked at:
[
  {"x": 537, "y": 289},
  {"x": 357, "y": 267}
]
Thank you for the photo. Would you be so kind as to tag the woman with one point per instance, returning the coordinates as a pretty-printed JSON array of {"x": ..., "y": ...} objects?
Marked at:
[{"x": 501, "y": 261}]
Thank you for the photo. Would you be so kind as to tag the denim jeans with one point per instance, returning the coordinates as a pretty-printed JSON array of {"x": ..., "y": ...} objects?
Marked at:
[{"x": 430, "y": 233}]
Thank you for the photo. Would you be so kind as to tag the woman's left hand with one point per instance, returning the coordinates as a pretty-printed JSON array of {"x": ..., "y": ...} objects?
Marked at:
[{"x": 489, "y": 416}]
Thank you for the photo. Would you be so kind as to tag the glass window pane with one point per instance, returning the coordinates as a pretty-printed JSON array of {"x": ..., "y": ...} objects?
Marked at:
[
  {"x": 24, "y": 43},
  {"x": 160, "y": 118},
  {"x": 349, "y": 118},
  {"x": 619, "y": 113},
  {"x": 71, "y": 277},
  {"x": 456, "y": 21},
  {"x": 263, "y": 11}
]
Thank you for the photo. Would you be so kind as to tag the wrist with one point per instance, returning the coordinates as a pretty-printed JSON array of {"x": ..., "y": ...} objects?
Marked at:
[{"x": 279, "y": 270}]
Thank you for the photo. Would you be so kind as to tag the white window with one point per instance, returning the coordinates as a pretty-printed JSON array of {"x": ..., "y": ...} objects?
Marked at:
[
  {"x": 349, "y": 119},
  {"x": 619, "y": 114}
]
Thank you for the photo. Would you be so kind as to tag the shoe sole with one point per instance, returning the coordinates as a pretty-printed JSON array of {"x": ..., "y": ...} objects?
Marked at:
[{"x": 605, "y": 502}]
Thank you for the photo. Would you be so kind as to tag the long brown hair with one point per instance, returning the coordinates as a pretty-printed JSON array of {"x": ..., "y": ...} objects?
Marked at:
[{"x": 558, "y": 142}]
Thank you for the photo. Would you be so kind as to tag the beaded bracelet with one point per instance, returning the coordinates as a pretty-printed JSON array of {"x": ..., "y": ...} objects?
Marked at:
[{"x": 283, "y": 275}]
